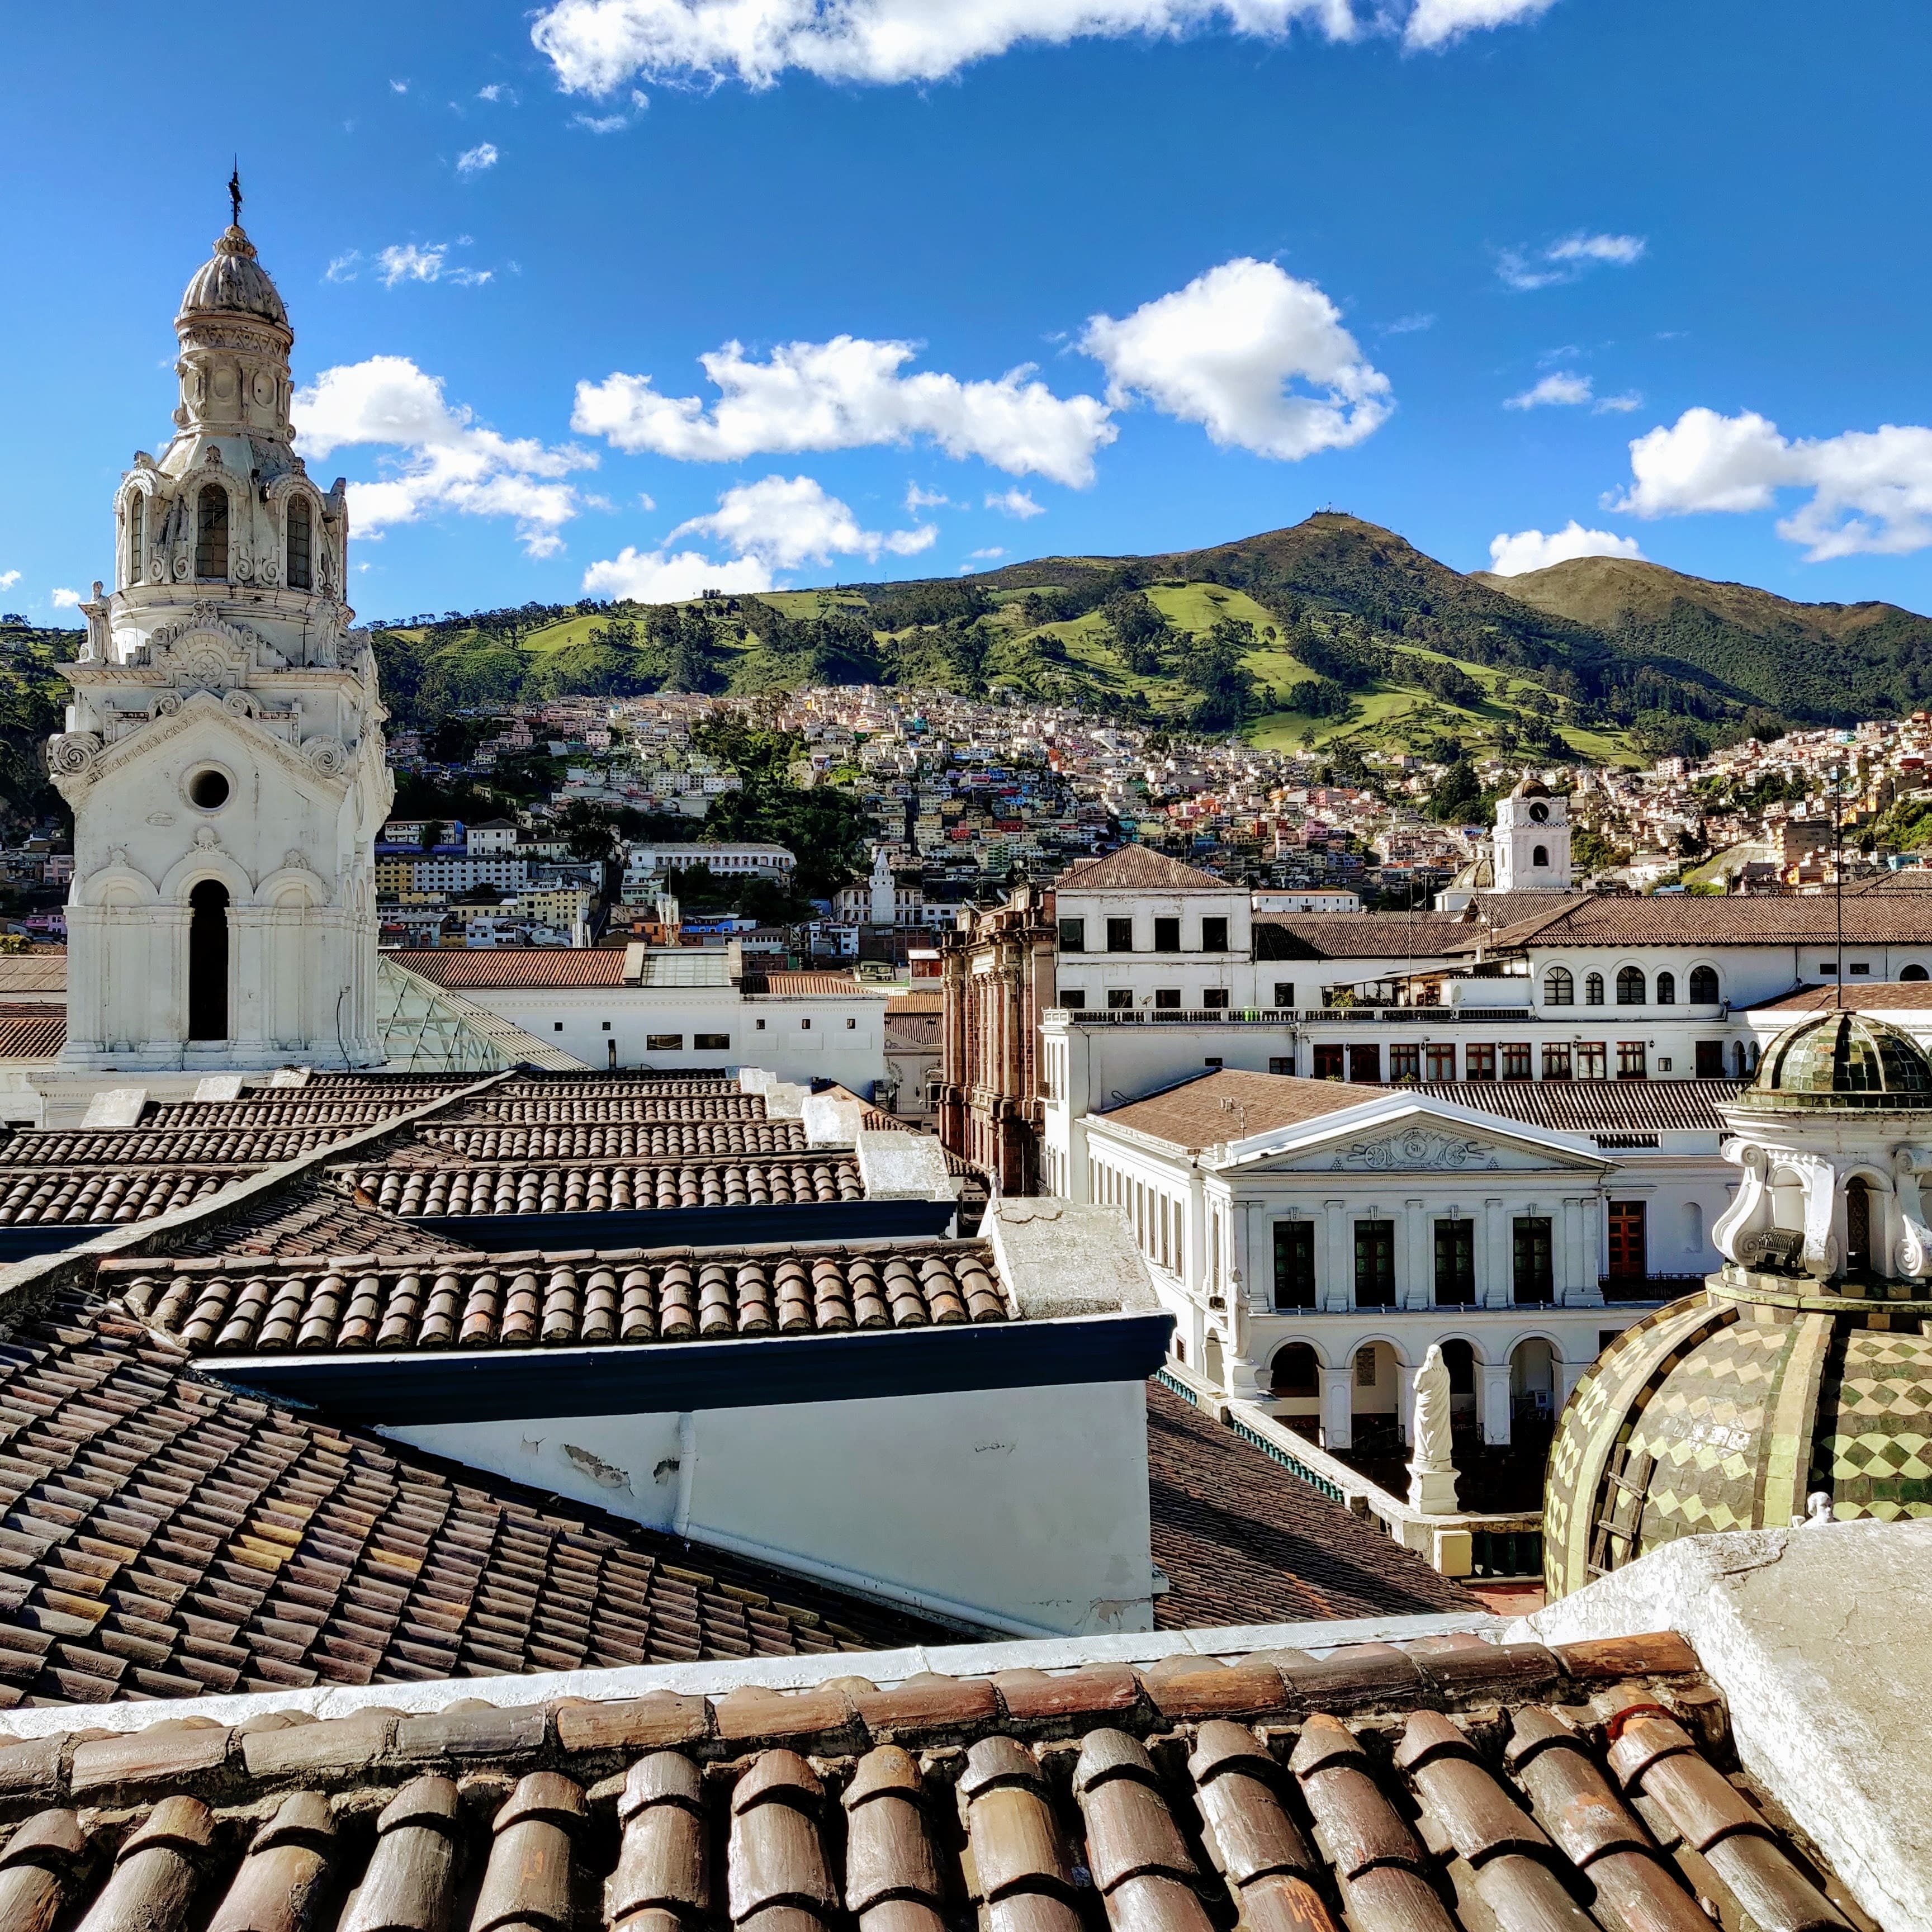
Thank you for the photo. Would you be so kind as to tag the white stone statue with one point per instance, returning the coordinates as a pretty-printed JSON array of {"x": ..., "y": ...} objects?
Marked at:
[{"x": 1431, "y": 1474}]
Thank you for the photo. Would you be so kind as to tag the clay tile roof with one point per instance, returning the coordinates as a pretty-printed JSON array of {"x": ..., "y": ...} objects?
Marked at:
[
  {"x": 300, "y": 1304},
  {"x": 91, "y": 1196},
  {"x": 1018, "y": 1800},
  {"x": 165, "y": 1538},
  {"x": 1244, "y": 1541},
  {"x": 32, "y": 1032},
  {"x": 1137, "y": 868},
  {"x": 1887, "y": 996},
  {"x": 42, "y": 970},
  {"x": 1230, "y": 1105},
  {"x": 1873, "y": 919},
  {"x": 517, "y": 967},
  {"x": 573, "y": 1187},
  {"x": 620, "y": 1139},
  {"x": 791, "y": 985},
  {"x": 1591, "y": 1106},
  {"x": 1360, "y": 935},
  {"x": 222, "y": 1142},
  {"x": 308, "y": 1217}
]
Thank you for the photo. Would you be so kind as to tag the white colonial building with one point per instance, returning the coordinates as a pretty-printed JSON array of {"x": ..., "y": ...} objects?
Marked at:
[
  {"x": 223, "y": 750},
  {"x": 1312, "y": 1242}
]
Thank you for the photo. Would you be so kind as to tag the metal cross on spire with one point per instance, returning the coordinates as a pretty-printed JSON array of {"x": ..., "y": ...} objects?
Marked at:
[{"x": 235, "y": 192}]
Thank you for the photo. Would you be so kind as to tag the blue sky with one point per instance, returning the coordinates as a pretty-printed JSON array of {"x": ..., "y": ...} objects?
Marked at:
[{"x": 1440, "y": 263}]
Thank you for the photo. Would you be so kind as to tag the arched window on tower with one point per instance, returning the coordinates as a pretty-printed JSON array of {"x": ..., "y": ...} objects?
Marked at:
[
  {"x": 1630, "y": 987},
  {"x": 211, "y": 532},
  {"x": 1539, "y": 857},
  {"x": 1667, "y": 989},
  {"x": 1703, "y": 986},
  {"x": 1559, "y": 989},
  {"x": 300, "y": 573},
  {"x": 1593, "y": 989},
  {"x": 207, "y": 961},
  {"x": 137, "y": 535}
]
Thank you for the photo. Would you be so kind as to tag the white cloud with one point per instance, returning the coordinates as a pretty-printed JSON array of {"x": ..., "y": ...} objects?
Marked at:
[
  {"x": 1565, "y": 388},
  {"x": 409, "y": 263},
  {"x": 1566, "y": 260},
  {"x": 1531, "y": 550},
  {"x": 849, "y": 394},
  {"x": 986, "y": 555},
  {"x": 66, "y": 600},
  {"x": 497, "y": 92},
  {"x": 1225, "y": 351},
  {"x": 343, "y": 268},
  {"x": 597, "y": 45},
  {"x": 474, "y": 160},
  {"x": 784, "y": 522},
  {"x": 8, "y": 578},
  {"x": 1014, "y": 503},
  {"x": 600, "y": 123},
  {"x": 917, "y": 499},
  {"x": 1435, "y": 23},
  {"x": 1408, "y": 325},
  {"x": 650, "y": 576},
  {"x": 399, "y": 87},
  {"x": 1621, "y": 405},
  {"x": 446, "y": 460},
  {"x": 1871, "y": 490}
]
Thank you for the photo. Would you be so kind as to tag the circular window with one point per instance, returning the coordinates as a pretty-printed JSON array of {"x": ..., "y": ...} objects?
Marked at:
[{"x": 209, "y": 789}]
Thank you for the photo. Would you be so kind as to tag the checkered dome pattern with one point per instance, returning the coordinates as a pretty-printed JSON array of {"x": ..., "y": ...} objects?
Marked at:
[{"x": 1875, "y": 1457}]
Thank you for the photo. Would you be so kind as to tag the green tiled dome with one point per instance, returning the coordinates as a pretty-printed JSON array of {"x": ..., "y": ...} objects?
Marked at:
[
  {"x": 1842, "y": 1060},
  {"x": 1727, "y": 1411}
]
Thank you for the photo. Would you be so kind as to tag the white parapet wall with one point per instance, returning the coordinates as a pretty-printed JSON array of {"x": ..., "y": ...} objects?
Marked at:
[
  {"x": 1817, "y": 1637},
  {"x": 1019, "y": 1510}
]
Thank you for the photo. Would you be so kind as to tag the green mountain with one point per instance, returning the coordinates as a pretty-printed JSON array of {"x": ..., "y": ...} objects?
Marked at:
[
  {"x": 1829, "y": 663},
  {"x": 1334, "y": 631}
]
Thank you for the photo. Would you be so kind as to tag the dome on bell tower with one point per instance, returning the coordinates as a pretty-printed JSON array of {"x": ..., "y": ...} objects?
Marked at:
[
  {"x": 1805, "y": 1368},
  {"x": 233, "y": 282}
]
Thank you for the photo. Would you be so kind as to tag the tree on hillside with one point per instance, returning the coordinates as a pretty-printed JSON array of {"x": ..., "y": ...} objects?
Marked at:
[{"x": 1140, "y": 632}]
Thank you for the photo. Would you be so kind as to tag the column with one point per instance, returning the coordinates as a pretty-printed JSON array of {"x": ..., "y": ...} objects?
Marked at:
[
  {"x": 1338, "y": 1407},
  {"x": 1413, "y": 1287},
  {"x": 1335, "y": 1286},
  {"x": 1494, "y": 1288},
  {"x": 1495, "y": 1386},
  {"x": 1258, "y": 1257},
  {"x": 1581, "y": 1288}
]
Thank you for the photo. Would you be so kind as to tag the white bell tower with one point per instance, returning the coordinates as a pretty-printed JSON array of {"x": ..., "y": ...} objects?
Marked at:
[
  {"x": 1532, "y": 840},
  {"x": 223, "y": 751}
]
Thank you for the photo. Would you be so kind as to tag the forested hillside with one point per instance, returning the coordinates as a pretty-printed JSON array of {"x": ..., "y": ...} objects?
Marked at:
[{"x": 1334, "y": 629}]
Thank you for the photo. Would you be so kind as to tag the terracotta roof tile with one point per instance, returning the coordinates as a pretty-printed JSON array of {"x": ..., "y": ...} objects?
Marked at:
[
  {"x": 383, "y": 1302},
  {"x": 1589, "y": 1106},
  {"x": 90, "y": 1196},
  {"x": 795, "y": 1812},
  {"x": 1360, "y": 935},
  {"x": 1886, "y": 996},
  {"x": 42, "y": 970},
  {"x": 615, "y": 1140},
  {"x": 505, "y": 968},
  {"x": 32, "y": 1032},
  {"x": 1244, "y": 1541},
  {"x": 1901, "y": 918},
  {"x": 1137, "y": 868},
  {"x": 1229, "y": 1104},
  {"x": 576, "y": 1188},
  {"x": 170, "y": 1538},
  {"x": 309, "y": 1216}
]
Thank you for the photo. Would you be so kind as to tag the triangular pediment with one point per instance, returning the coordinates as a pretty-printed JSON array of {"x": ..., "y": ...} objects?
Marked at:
[{"x": 1414, "y": 1137}]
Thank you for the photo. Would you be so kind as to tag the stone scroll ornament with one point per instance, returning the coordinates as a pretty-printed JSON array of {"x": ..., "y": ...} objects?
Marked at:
[
  {"x": 1912, "y": 1258},
  {"x": 328, "y": 756},
  {"x": 73, "y": 755}
]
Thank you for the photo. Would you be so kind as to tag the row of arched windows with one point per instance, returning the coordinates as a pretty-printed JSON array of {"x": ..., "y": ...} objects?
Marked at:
[
  {"x": 1559, "y": 988},
  {"x": 211, "y": 537}
]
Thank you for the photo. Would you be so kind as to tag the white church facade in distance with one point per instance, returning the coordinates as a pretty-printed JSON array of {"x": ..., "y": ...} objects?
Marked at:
[{"x": 223, "y": 751}]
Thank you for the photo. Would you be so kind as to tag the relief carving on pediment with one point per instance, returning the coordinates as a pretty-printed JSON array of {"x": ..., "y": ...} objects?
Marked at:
[{"x": 1413, "y": 1148}]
